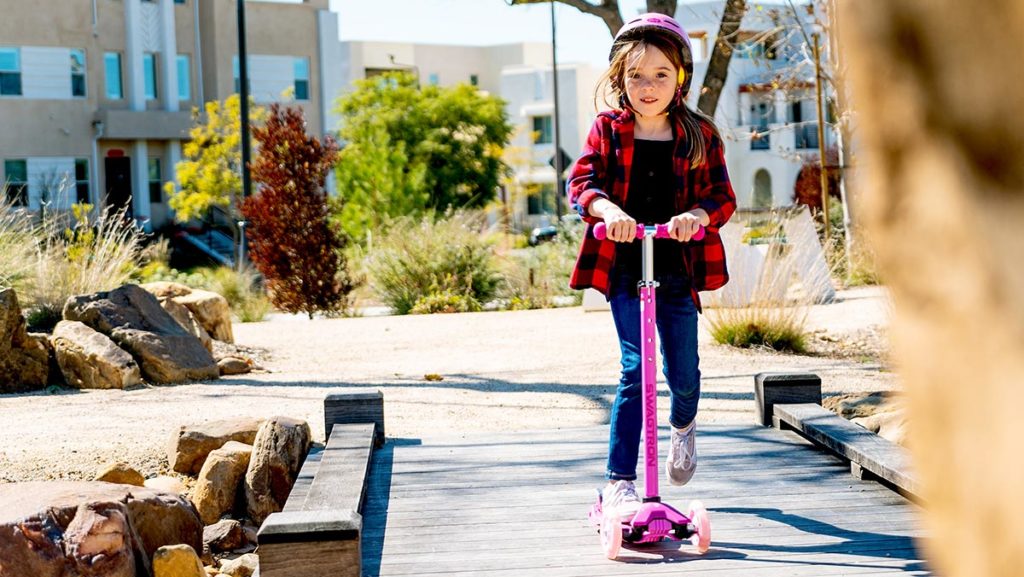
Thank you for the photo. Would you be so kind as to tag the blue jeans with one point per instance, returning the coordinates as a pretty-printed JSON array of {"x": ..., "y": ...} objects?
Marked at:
[{"x": 677, "y": 331}]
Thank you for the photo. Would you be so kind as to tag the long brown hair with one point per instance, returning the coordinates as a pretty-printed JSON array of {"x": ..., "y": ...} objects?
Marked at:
[{"x": 612, "y": 84}]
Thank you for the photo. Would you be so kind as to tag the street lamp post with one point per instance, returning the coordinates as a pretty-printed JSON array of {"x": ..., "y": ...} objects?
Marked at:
[
  {"x": 556, "y": 120},
  {"x": 821, "y": 139},
  {"x": 243, "y": 89}
]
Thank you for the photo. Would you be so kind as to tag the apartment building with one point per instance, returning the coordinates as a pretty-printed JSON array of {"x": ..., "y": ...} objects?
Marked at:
[
  {"x": 767, "y": 108},
  {"x": 96, "y": 96}
]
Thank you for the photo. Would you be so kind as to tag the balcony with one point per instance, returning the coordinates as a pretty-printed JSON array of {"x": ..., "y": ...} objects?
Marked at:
[
  {"x": 760, "y": 138},
  {"x": 144, "y": 124}
]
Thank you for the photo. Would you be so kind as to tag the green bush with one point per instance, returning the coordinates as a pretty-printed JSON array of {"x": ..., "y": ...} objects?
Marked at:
[
  {"x": 445, "y": 302},
  {"x": 534, "y": 276},
  {"x": 415, "y": 259},
  {"x": 751, "y": 327}
]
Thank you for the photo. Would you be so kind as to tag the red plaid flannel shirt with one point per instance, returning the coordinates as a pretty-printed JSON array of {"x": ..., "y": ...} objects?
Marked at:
[{"x": 603, "y": 171}]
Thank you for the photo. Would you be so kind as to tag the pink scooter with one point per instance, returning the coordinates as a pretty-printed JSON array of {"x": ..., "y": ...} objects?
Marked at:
[{"x": 655, "y": 520}]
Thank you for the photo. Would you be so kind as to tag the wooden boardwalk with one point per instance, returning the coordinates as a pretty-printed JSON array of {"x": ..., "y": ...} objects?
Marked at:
[{"x": 515, "y": 504}]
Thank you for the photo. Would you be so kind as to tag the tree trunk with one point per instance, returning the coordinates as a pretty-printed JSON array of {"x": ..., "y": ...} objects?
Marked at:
[
  {"x": 663, "y": 7},
  {"x": 718, "y": 66},
  {"x": 942, "y": 134}
]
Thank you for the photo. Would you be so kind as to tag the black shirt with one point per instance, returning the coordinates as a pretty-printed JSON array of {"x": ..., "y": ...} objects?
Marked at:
[{"x": 650, "y": 201}]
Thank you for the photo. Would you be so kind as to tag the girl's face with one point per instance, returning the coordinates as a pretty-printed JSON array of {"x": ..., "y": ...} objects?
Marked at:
[{"x": 650, "y": 81}]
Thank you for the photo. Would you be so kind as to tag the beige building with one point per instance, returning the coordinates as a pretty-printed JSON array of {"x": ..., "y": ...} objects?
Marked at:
[{"x": 97, "y": 95}]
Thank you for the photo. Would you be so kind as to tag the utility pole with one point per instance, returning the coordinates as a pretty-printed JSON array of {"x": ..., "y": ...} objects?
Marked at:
[
  {"x": 243, "y": 89},
  {"x": 556, "y": 121},
  {"x": 821, "y": 140}
]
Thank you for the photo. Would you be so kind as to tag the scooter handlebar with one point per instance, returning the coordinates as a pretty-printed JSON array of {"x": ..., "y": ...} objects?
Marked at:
[{"x": 660, "y": 231}]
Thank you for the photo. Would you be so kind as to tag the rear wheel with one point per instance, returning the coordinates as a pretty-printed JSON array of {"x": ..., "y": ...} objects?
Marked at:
[{"x": 701, "y": 538}]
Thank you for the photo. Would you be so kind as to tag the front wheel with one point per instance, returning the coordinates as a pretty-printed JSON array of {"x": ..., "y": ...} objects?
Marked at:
[
  {"x": 701, "y": 538},
  {"x": 611, "y": 535}
]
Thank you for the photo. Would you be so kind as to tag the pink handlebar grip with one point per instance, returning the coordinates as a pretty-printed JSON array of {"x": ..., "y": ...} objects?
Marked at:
[{"x": 661, "y": 231}]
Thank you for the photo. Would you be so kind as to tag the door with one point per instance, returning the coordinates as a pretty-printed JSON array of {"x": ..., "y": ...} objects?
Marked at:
[{"x": 119, "y": 184}]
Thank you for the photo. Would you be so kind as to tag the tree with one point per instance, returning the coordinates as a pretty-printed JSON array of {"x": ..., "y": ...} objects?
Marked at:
[
  {"x": 940, "y": 126},
  {"x": 718, "y": 66},
  {"x": 410, "y": 149},
  {"x": 292, "y": 243},
  {"x": 210, "y": 175}
]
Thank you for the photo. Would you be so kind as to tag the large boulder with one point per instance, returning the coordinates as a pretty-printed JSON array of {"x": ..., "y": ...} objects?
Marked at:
[
  {"x": 210, "y": 309},
  {"x": 278, "y": 452},
  {"x": 190, "y": 444},
  {"x": 185, "y": 318},
  {"x": 134, "y": 319},
  {"x": 177, "y": 561},
  {"x": 24, "y": 361},
  {"x": 224, "y": 535},
  {"x": 90, "y": 360},
  {"x": 218, "y": 481},
  {"x": 86, "y": 529}
]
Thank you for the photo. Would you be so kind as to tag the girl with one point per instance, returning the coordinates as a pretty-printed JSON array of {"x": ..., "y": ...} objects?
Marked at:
[{"x": 652, "y": 160}]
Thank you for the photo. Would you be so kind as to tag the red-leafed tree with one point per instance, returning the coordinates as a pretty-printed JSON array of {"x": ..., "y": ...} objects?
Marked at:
[
  {"x": 807, "y": 189},
  {"x": 291, "y": 242}
]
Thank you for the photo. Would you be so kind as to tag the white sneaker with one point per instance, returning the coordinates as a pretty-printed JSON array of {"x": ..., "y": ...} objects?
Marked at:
[
  {"x": 620, "y": 497},
  {"x": 682, "y": 455}
]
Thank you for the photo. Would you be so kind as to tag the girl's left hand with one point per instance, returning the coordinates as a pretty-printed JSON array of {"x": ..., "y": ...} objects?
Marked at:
[{"x": 682, "y": 227}]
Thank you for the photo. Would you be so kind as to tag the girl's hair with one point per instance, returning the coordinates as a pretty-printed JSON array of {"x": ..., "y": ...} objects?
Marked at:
[{"x": 612, "y": 84}]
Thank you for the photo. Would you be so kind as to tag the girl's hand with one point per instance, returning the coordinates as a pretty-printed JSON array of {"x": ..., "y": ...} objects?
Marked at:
[
  {"x": 682, "y": 227},
  {"x": 620, "y": 226}
]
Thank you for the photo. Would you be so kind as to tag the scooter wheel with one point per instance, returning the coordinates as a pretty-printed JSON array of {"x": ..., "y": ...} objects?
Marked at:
[
  {"x": 702, "y": 523},
  {"x": 611, "y": 535}
]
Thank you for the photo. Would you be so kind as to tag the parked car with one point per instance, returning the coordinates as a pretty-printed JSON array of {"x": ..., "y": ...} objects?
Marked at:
[{"x": 546, "y": 233}]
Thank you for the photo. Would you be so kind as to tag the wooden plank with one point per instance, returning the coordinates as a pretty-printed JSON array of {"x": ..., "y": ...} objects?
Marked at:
[
  {"x": 341, "y": 478},
  {"x": 297, "y": 496},
  {"x": 498, "y": 505},
  {"x": 881, "y": 457},
  {"x": 354, "y": 407},
  {"x": 304, "y": 543}
]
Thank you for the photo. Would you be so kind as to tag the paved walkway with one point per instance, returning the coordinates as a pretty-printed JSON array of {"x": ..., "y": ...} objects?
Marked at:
[{"x": 515, "y": 504}]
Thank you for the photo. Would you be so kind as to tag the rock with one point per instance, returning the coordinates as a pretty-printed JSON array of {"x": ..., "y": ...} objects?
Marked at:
[
  {"x": 183, "y": 316},
  {"x": 855, "y": 405},
  {"x": 90, "y": 360},
  {"x": 121, "y": 473},
  {"x": 190, "y": 444},
  {"x": 56, "y": 377},
  {"x": 224, "y": 536},
  {"x": 244, "y": 566},
  {"x": 890, "y": 425},
  {"x": 210, "y": 309},
  {"x": 251, "y": 533},
  {"x": 24, "y": 361},
  {"x": 233, "y": 366},
  {"x": 39, "y": 520},
  {"x": 99, "y": 541},
  {"x": 165, "y": 352},
  {"x": 177, "y": 561},
  {"x": 278, "y": 452},
  {"x": 218, "y": 481},
  {"x": 166, "y": 484}
]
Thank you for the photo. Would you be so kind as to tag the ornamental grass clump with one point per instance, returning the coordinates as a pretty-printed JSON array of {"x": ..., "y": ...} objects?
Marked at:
[
  {"x": 17, "y": 246},
  {"x": 773, "y": 311},
  {"x": 432, "y": 260}
]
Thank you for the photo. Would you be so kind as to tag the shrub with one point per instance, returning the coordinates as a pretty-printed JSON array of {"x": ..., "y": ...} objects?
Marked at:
[
  {"x": 534, "y": 276},
  {"x": 445, "y": 302},
  {"x": 82, "y": 257},
  {"x": 292, "y": 242},
  {"x": 18, "y": 251},
  {"x": 776, "y": 313},
  {"x": 417, "y": 259}
]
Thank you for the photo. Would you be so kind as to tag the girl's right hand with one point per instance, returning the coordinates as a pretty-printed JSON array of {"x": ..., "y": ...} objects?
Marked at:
[{"x": 620, "y": 227}]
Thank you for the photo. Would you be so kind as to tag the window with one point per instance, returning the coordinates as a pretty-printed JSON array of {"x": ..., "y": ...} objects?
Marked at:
[
  {"x": 81, "y": 180},
  {"x": 17, "y": 181},
  {"x": 149, "y": 69},
  {"x": 112, "y": 66},
  {"x": 78, "y": 73},
  {"x": 434, "y": 79},
  {"x": 301, "y": 79},
  {"x": 184, "y": 78},
  {"x": 155, "y": 184},
  {"x": 238, "y": 75},
  {"x": 541, "y": 200},
  {"x": 474, "y": 80},
  {"x": 10, "y": 71},
  {"x": 699, "y": 46},
  {"x": 179, "y": 1},
  {"x": 542, "y": 128}
]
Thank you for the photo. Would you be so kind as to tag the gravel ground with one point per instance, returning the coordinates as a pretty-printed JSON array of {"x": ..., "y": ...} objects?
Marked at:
[{"x": 521, "y": 370}]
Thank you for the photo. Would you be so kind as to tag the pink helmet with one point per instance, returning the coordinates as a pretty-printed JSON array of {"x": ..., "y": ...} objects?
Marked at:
[{"x": 655, "y": 23}]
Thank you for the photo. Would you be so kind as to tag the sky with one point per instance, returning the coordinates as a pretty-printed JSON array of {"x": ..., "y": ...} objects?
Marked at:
[{"x": 581, "y": 37}]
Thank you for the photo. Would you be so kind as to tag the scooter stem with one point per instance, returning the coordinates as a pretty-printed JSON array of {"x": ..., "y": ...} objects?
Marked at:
[{"x": 649, "y": 351}]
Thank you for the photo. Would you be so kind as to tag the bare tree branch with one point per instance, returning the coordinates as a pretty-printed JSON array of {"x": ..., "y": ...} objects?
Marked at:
[{"x": 607, "y": 10}]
